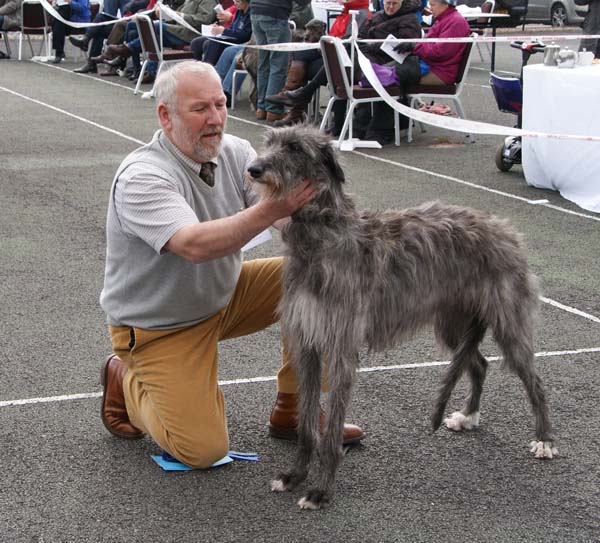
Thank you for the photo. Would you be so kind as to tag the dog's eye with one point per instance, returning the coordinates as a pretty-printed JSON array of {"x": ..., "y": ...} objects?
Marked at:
[{"x": 294, "y": 146}]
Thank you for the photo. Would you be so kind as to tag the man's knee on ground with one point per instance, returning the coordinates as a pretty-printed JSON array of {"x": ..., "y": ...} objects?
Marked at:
[{"x": 198, "y": 452}]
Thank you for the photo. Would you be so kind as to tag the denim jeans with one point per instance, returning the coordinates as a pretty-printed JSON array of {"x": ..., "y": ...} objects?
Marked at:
[
  {"x": 111, "y": 6},
  {"x": 272, "y": 66},
  {"x": 226, "y": 65},
  {"x": 168, "y": 39}
]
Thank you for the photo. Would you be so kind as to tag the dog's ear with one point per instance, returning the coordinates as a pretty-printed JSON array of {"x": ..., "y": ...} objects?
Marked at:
[{"x": 331, "y": 163}]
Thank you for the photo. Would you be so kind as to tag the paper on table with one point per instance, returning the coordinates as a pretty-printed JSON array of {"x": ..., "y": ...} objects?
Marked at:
[
  {"x": 388, "y": 48},
  {"x": 261, "y": 238}
]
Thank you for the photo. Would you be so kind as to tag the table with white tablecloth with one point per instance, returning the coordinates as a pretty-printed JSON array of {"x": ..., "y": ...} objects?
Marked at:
[{"x": 563, "y": 101}]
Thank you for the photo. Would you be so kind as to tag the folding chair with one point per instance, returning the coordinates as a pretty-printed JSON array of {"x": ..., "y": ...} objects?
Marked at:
[
  {"x": 417, "y": 92},
  {"x": 6, "y": 40},
  {"x": 481, "y": 26},
  {"x": 34, "y": 20},
  {"x": 234, "y": 89},
  {"x": 340, "y": 88},
  {"x": 152, "y": 52}
]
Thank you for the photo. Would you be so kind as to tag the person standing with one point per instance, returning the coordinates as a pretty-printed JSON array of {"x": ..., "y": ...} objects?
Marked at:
[{"x": 270, "y": 25}]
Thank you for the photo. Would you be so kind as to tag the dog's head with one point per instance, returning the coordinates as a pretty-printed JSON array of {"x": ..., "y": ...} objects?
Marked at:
[{"x": 292, "y": 155}]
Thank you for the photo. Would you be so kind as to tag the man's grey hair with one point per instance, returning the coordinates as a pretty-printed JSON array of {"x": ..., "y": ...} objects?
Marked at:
[{"x": 165, "y": 87}]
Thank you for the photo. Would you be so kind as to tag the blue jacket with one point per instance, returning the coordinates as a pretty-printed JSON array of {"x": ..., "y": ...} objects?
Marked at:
[
  {"x": 240, "y": 28},
  {"x": 80, "y": 11}
]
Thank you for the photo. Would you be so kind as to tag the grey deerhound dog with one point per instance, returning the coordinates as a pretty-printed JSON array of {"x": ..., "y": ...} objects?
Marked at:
[{"x": 363, "y": 278}]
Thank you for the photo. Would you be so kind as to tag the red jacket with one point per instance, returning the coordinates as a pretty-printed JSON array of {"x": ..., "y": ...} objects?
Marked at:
[{"x": 444, "y": 58}]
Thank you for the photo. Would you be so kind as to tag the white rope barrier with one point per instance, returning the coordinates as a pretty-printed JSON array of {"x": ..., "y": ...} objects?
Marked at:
[{"x": 448, "y": 123}]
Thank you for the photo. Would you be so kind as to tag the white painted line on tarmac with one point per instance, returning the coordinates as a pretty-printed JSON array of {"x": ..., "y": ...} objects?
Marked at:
[
  {"x": 475, "y": 186},
  {"x": 100, "y": 79},
  {"x": 569, "y": 309},
  {"x": 399, "y": 164},
  {"x": 87, "y": 395},
  {"x": 79, "y": 118}
]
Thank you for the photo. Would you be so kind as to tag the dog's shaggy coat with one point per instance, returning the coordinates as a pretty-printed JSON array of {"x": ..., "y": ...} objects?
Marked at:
[{"x": 361, "y": 278}]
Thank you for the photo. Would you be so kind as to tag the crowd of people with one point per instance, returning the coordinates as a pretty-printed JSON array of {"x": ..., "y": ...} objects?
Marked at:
[{"x": 284, "y": 83}]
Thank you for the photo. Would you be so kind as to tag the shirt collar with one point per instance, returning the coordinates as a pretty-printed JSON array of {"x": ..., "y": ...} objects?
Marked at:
[{"x": 192, "y": 164}]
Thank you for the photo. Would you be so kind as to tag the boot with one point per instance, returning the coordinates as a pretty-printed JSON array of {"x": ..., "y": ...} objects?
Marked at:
[
  {"x": 114, "y": 51},
  {"x": 99, "y": 59},
  {"x": 82, "y": 43},
  {"x": 284, "y": 421},
  {"x": 293, "y": 116},
  {"x": 295, "y": 79},
  {"x": 89, "y": 68},
  {"x": 113, "y": 411}
]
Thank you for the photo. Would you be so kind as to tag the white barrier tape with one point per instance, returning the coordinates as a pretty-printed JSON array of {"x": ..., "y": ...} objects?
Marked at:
[
  {"x": 470, "y": 39},
  {"x": 174, "y": 16},
  {"x": 450, "y": 123},
  {"x": 50, "y": 9}
]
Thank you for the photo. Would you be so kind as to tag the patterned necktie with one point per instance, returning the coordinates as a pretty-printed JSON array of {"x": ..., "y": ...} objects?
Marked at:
[{"x": 207, "y": 173}]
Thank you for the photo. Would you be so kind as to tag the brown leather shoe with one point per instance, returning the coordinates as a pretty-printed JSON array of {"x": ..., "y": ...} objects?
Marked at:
[
  {"x": 283, "y": 422},
  {"x": 261, "y": 114},
  {"x": 113, "y": 410},
  {"x": 272, "y": 117},
  {"x": 113, "y": 51},
  {"x": 293, "y": 116}
]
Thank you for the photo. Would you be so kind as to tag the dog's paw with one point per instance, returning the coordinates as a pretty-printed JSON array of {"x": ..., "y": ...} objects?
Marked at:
[
  {"x": 544, "y": 450},
  {"x": 314, "y": 499},
  {"x": 458, "y": 422},
  {"x": 277, "y": 485}
]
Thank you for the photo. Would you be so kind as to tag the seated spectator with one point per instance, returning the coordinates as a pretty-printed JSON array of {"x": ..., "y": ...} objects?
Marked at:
[
  {"x": 225, "y": 67},
  {"x": 97, "y": 34},
  {"x": 195, "y": 12},
  {"x": 238, "y": 32},
  {"x": 77, "y": 11},
  {"x": 10, "y": 14},
  {"x": 429, "y": 63},
  {"x": 397, "y": 18}
]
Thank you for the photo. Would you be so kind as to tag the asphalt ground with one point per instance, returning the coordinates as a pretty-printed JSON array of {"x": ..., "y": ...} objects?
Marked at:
[{"x": 64, "y": 478}]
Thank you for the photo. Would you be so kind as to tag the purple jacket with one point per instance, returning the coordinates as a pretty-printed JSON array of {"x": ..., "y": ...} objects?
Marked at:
[{"x": 444, "y": 58}]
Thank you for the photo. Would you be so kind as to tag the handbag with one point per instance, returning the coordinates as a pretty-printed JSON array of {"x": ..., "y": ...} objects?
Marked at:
[{"x": 386, "y": 74}]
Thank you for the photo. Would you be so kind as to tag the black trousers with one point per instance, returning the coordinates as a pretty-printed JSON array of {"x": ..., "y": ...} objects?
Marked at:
[{"x": 60, "y": 30}]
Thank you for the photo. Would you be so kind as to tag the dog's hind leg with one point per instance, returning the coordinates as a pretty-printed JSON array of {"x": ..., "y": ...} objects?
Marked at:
[
  {"x": 341, "y": 379},
  {"x": 519, "y": 357},
  {"x": 466, "y": 357},
  {"x": 308, "y": 370}
]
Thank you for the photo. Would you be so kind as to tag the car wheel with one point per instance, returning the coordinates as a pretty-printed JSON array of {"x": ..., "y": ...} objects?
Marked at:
[{"x": 558, "y": 15}]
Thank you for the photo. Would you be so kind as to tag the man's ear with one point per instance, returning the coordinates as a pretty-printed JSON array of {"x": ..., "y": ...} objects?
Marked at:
[{"x": 164, "y": 116}]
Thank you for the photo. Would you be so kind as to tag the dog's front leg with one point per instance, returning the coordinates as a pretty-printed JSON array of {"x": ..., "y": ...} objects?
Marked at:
[
  {"x": 308, "y": 369},
  {"x": 341, "y": 379}
]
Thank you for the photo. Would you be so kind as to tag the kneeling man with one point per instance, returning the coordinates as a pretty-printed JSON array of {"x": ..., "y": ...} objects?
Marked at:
[{"x": 175, "y": 284}]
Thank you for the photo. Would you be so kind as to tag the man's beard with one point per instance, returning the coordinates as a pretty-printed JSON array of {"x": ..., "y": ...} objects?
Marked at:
[{"x": 202, "y": 151}]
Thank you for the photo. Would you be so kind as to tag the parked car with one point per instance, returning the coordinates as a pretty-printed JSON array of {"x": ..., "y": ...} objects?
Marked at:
[{"x": 555, "y": 12}]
